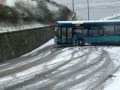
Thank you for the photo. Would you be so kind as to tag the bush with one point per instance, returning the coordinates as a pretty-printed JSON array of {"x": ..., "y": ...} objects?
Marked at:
[{"x": 8, "y": 13}]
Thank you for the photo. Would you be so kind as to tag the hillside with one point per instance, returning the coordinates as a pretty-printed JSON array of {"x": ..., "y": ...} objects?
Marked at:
[{"x": 43, "y": 11}]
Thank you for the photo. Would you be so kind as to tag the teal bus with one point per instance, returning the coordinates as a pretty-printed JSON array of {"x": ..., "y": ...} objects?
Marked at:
[{"x": 87, "y": 32}]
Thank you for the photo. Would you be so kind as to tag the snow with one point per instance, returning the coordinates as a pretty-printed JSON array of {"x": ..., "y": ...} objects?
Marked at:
[
  {"x": 25, "y": 2},
  {"x": 3, "y": 64},
  {"x": 12, "y": 28},
  {"x": 68, "y": 68},
  {"x": 10, "y": 2},
  {"x": 52, "y": 7},
  {"x": 31, "y": 4},
  {"x": 116, "y": 16},
  {"x": 115, "y": 85},
  {"x": 49, "y": 43},
  {"x": 5, "y": 79}
]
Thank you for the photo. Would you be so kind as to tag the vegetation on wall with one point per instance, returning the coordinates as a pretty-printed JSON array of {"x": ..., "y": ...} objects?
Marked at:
[{"x": 8, "y": 13}]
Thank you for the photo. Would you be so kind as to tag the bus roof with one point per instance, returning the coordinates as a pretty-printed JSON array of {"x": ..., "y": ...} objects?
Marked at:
[{"x": 90, "y": 21}]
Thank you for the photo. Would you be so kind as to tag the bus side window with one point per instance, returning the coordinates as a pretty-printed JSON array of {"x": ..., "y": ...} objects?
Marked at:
[
  {"x": 64, "y": 31},
  {"x": 70, "y": 32},
  {"x": 117, "y": 29},
  {"x": 63, "y": 34},
  {"x": 69, "y": 35},
  {"x": 78, "y": 31},
  {"x": 94, "y": 31},
  {"x": 85, "y": 32},
  {"x": 109, "y": 30}
]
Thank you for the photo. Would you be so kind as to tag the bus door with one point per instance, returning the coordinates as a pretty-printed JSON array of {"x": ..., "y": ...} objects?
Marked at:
[
  {"x": 69, "y": 35},
  {"x": 66, "y": 35},
  {"x": 63, "y": 35}
]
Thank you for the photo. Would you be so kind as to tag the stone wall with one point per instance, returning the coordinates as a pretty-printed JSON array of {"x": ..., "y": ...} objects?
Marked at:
[{"x": 15, "y": 44}]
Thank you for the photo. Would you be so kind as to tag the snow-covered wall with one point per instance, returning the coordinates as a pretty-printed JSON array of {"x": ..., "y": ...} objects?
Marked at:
[{"x": 17, "y": 43}]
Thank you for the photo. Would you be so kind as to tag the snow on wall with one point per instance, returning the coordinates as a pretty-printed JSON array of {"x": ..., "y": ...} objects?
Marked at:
[
  {"x": 10, "y": 2},
  {"x": 24, "y": 2},
  {"x": 12, "y": 28}
]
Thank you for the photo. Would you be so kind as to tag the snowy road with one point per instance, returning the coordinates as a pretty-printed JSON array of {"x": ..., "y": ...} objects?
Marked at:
[{"x": 70, "y": 68}]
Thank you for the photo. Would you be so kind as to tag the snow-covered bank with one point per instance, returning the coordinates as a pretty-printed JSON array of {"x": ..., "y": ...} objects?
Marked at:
[
  {"x": 18, "y": 27},
  {"x": 114, "y": 80},
  {"x": 115, "y": 84}
]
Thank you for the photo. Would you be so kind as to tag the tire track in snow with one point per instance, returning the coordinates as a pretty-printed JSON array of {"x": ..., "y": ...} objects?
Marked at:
[
  {"x": 35, "y": 61},
  {"x": 25, "y": 58},
  {"x": 22, "y": 84},
  {"x": 68, "y": 84},
  {"x": 63, "y": 79},
  {"x": 49, "y": 71},
  {"x": 111, "y": 69}
]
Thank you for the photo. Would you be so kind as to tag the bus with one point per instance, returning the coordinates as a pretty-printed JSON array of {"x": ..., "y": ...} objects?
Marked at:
[{"x": 90, "y": 32}]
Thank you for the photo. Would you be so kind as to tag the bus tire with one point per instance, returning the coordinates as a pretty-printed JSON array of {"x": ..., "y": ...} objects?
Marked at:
[{"x": 81, "y": 43}]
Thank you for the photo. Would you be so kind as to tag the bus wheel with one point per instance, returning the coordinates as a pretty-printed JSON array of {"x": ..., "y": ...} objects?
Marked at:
[{"x": 81, "y": 42}]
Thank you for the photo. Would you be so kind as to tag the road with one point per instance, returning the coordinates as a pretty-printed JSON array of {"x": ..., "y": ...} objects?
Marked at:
[{"x": 50, "y": 68}]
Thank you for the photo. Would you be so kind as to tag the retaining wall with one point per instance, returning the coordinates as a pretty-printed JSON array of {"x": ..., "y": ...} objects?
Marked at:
[{"x": 17, "y": 43}]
